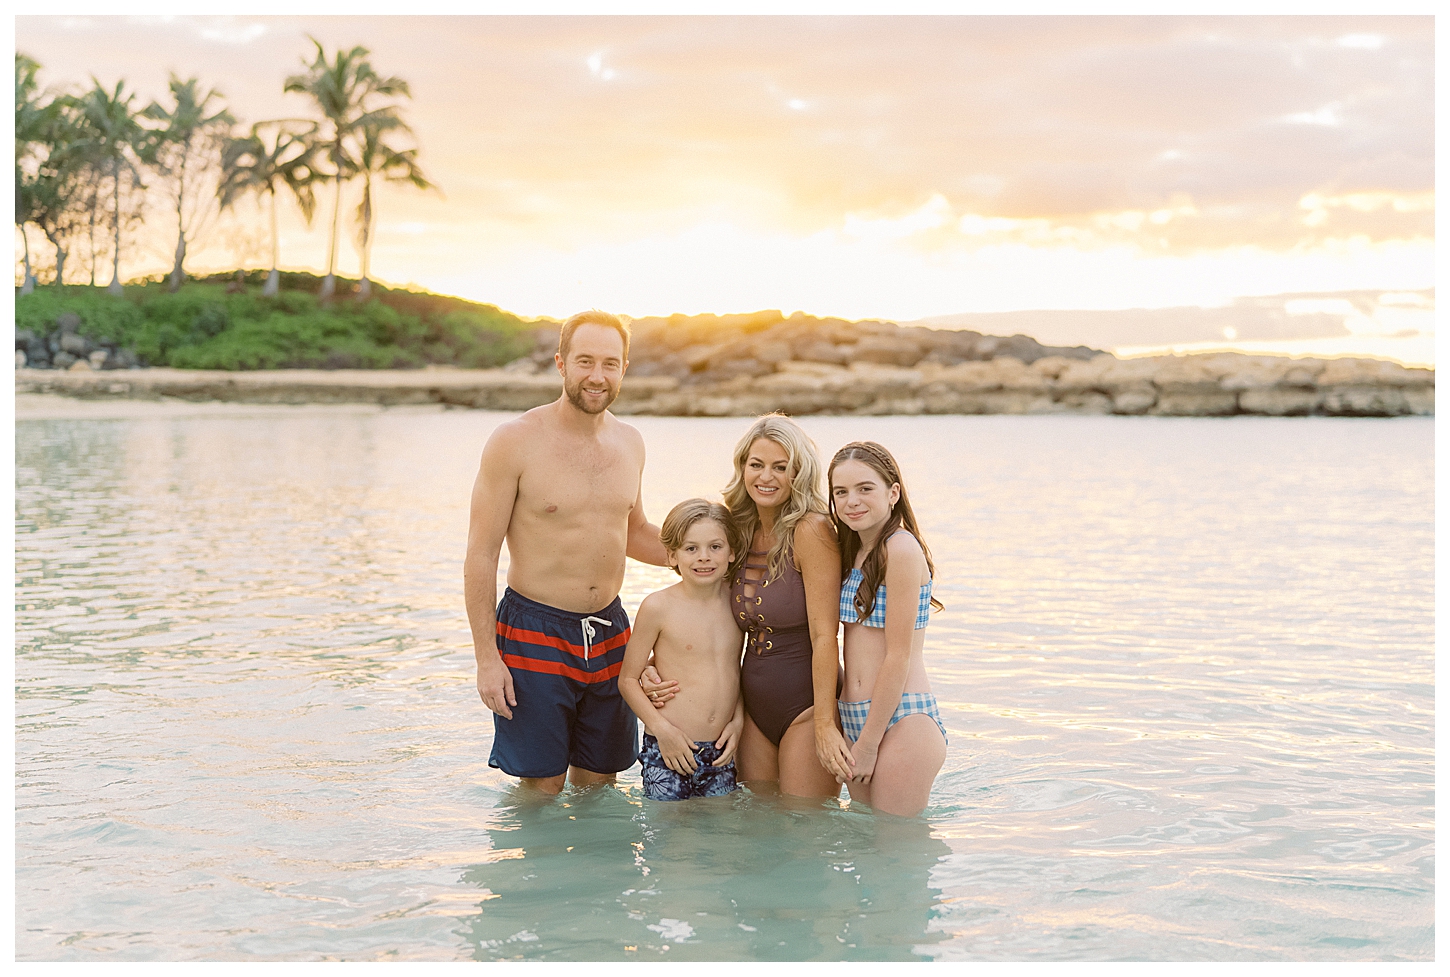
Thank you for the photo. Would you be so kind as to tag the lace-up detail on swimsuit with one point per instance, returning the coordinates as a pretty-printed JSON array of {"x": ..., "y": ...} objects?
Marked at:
[{"x": 877, "y": 618}]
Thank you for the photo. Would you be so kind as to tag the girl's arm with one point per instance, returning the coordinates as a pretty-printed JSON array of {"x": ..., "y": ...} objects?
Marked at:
[
  {"x": 904, "y": 566},
  {"x": 642, "y": 640},
  {"x": 819, "y": 557}
]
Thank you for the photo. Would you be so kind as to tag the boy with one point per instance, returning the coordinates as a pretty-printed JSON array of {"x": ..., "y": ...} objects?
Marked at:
[{"x": 690, "y": 742}]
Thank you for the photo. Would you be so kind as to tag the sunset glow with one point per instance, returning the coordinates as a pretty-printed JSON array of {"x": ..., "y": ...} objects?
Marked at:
[{"x": 901, "y": 168}]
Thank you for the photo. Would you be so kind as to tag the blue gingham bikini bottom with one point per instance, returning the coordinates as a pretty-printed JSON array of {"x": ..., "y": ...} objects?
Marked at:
[{"x": 853, "y": 714}]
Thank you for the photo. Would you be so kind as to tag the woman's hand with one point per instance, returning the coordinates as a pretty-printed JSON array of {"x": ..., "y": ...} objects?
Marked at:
[
  {"x": 865, "y": 762},
  {"x": 658, "y": 690},
  {"x": 834, "y": 752}
]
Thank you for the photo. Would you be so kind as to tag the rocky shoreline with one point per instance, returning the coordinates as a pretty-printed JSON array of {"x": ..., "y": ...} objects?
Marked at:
[{"x": 1204, "y": 385}]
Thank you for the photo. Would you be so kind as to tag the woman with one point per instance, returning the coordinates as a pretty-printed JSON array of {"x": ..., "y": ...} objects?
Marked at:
[
  {"x": 784, "y": 597},
  {"x": 888, "y": 713}
]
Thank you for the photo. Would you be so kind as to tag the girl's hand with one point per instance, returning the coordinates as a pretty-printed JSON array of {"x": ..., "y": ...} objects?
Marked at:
[
  {"x": 865, "y": 762},
  {"x": 677, "y": 751},
  {"x": 729, "y": 741},
  {"x": 658, "y": 690},
  {"x": 834, "y": 753}
]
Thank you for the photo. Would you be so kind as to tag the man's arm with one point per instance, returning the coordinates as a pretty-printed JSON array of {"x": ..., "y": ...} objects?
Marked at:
[
  {"x": 494, "y": 492},
  {"x": 643, "y": 542}
]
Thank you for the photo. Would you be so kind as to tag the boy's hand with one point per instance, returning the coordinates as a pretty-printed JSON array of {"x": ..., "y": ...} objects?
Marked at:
[
  {"x": 865, "y": 763},
  {"x": 677, "y": 751},
  {"x": 729, "y": 741},
  {"x": 658, "y": 690}
]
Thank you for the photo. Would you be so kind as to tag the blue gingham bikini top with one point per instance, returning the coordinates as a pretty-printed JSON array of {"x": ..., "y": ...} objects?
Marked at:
[{"x": 877, "y": 618}]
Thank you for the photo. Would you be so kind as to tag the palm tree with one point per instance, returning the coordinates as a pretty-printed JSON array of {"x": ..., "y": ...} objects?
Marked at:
[
  {"x": 251, "y": 164},
  {"x": 393, "y": 165},
  {"x": 58, "y": 193},
  {"x": 32, "y": 117},
  {"x": 344, "y": 90},
  {"x": 117, "y": 141},
  {"x": 188, "y": 148}
]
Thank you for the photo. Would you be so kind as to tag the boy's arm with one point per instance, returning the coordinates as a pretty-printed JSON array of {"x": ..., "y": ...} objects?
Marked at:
[
  {"x": 729, "y": 740},
  {"x": 677, "y": 751},
  {"x": 636, "y": 656}
]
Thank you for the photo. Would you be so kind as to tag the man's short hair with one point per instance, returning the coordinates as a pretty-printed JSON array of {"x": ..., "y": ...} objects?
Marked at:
[{"x": 592, "y": 317}]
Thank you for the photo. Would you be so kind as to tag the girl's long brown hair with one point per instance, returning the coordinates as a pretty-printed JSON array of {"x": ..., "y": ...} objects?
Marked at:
[{"x": 873, "y": 568}]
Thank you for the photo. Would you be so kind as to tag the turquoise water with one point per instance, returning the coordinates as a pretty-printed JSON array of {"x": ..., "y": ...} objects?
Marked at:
[{"x": 1186, "y": 667}]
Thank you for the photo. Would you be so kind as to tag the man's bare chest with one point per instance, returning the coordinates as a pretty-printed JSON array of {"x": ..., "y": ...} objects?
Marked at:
[{"x": 566, "y": 485}]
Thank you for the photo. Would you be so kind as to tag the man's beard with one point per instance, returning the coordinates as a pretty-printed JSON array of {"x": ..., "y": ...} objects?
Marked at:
[{"x": 575, "y": 393}]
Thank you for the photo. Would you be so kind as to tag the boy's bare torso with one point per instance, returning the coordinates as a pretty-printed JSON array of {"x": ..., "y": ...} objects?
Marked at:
[
  {"x": 570, "y": 523},
  {"x": 699, "y": 646}
]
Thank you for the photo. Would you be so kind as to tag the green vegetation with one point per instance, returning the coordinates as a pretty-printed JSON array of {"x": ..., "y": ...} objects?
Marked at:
[{"x": 214, "y": 324}]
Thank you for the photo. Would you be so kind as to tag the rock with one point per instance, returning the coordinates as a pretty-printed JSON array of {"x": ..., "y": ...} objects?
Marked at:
[
  {"x": 1051, "y": 367},
  {"x": 1135, "y": 398},
  {"x": 1195, "y": 400},
  {"x": 524, "y": 365},
  {"x": 98, "y": 358},
  {"x": 62, "y": 360},
  {"x": 1365, "y": 401},
  {"x": 74, "y": 344},
  {"x": 884, "y": 377},
  {"x": 23, "y": 338},
  {"x": 1302, "y": 374},
  {"x": 820, "y": 351},
  {"x": 20, "y": 359},
  {"x": 1365, "y": 372},
  {"x": 80, "y": 365},
  {"x": 68, "y": 322},
  {"x": 773, "y": 352},
  {"x": 887, "y": 350},
  {"x": 1280, "y": 401},
  {"x": 698, "y": 356}
]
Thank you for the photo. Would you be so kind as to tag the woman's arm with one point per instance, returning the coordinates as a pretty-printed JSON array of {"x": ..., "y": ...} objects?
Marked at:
[
  {"x": 904, "y": 568},
  {"x": 819, "y": 557}
]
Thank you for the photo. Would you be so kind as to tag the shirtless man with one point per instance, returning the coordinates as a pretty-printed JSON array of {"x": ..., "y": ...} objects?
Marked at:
[{"x": 562, "y": 484}]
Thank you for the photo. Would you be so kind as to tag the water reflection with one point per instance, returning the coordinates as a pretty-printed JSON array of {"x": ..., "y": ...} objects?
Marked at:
[{"x": 602, "y": 874}]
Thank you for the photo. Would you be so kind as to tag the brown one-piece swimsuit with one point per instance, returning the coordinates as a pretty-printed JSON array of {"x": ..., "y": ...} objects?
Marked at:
[{"x": 775, "y": 676}]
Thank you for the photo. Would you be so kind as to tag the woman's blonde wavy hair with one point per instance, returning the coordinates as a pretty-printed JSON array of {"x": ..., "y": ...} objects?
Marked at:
[{"x": 806, "y": 494}]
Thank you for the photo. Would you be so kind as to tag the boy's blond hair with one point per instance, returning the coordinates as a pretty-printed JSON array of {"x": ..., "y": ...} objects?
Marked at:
[{"x": 691, "y": 511}]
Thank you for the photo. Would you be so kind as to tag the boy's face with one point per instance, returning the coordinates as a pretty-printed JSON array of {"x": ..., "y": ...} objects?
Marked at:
[{"x": 704, "y": 554}]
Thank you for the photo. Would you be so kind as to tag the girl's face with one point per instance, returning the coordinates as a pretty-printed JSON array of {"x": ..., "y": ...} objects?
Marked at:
[
  {"x": 767, "y": 475},
  {"x": 704, "y": 554},
  {"x": 862, "y": 499}
]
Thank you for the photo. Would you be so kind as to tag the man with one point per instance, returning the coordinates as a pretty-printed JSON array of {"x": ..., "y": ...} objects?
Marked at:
[{"x": 562, "y": 484}]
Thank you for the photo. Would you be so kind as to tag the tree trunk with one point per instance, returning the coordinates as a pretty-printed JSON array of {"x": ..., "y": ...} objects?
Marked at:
[
  {"x": 59, "y": 259},
  {"x": 273, "y": 279},
  {"x": 115, "y": 287},
  {"x": 28, "y": 285},
  {"x": 177, "y": 275},
  {"x": 329, "y": 283},
  {"x": 93, "y": 240},
  {"x": 364, "y": 286}
]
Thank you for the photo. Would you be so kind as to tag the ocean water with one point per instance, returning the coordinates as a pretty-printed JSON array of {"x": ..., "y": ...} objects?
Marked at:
[{"x": 1186, "y": 666}]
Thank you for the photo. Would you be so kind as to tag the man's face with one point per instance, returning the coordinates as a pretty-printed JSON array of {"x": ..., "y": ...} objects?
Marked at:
[{"x": 594, "y": 368}]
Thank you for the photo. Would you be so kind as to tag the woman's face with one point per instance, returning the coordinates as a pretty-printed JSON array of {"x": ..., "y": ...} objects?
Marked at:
[
  {"x": 767, "y": 475},
  {"x": 862, "y": 499}
]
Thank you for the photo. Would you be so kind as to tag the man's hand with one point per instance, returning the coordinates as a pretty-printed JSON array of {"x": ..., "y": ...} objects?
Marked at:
[{"x": 496, "y": 686}]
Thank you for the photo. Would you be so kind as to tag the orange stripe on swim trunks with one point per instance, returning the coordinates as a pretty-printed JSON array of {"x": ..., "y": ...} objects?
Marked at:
[
  {"x": 556, "y": 668},
  {"x": 511, "y": 633}
]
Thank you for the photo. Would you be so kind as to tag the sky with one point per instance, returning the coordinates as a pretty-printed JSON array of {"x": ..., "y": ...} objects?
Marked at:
[{"x": 1257, "y": 183}]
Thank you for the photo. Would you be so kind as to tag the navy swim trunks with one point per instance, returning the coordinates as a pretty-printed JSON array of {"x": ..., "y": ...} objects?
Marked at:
[
  {"x": 663, "y": 784},
  {"x": 565, "y": 668}
]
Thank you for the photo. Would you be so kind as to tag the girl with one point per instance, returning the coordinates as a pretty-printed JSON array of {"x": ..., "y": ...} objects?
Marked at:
[{"x": 898, "y": 742}]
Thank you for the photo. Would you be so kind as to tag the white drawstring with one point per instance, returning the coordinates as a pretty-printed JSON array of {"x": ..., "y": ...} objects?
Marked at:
[{"x": 588, "y": 630}]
